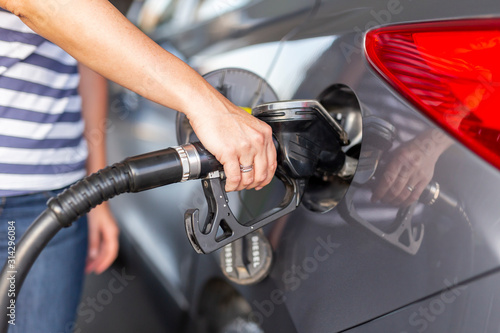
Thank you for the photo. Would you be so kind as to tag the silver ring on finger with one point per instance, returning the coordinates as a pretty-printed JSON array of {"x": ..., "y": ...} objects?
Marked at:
[
  {"x": 246, "y": 168},
  {"x": 410, "y": 188}
]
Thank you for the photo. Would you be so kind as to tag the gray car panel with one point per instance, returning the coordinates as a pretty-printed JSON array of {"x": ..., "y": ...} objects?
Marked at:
[
  {"x": 335, "y": 274},
  {"x": 469, "y": 307},
  {"x": 364, "y": 279}
]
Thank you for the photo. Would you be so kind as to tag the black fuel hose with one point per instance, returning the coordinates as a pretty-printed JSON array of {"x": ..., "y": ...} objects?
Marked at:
[{"x": 134, "y": 174}]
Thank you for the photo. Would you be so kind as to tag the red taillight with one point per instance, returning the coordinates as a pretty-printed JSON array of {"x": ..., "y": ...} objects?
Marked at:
[{"x": 450, "y": 70}]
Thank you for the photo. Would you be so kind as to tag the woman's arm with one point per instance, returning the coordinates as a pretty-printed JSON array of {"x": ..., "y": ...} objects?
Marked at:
[
  {"x": 97, "y": 35},
  {"x": 103, "y": 231}
]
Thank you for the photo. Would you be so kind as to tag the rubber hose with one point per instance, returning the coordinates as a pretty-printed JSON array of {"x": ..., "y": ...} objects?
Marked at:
[{"x": 132, "y": 175}]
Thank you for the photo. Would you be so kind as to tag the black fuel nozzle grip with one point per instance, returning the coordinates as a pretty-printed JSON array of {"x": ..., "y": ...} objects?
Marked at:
[
  {"x": 308, "y": 141},
  {"x": 221, "y": 226}
]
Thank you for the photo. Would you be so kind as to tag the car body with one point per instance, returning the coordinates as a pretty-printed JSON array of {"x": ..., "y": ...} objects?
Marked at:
[{"x": 330, "y": 274}]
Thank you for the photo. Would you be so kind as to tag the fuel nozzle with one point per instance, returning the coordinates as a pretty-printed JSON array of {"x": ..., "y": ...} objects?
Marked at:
[
  {"x": 309, "y": 139},
  {"x": 309, "y": 143}
]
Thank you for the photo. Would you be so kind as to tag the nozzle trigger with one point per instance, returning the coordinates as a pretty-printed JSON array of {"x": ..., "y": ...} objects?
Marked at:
[{"x": 221, "y": 226}]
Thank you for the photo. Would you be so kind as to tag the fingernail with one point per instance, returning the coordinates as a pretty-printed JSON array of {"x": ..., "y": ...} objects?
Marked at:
[{"x": 258, "y": 188}]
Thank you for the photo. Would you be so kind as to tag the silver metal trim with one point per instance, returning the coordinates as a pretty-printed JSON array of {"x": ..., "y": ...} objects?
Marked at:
[
  {"x": 184, "y": 162},
  {"x": 349, "y": 168},
  {"x": 194, "y": 160},
  {"x": 435, "y": 190},
  {"x": 215, "y": 174}
]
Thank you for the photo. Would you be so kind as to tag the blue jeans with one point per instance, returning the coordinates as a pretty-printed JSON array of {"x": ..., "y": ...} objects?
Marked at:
[{"x": 49, "y": 297}]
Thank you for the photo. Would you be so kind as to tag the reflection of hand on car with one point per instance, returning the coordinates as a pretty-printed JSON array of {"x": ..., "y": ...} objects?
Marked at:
[{"x": 410, "y": 169}]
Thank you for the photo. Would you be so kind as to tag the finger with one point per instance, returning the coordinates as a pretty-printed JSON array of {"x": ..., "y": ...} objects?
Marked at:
[
  {"x": 271, "y": 166},
  {"x": 247, "y": 170},
  {"x": 233, "y": 175},
  {"x": 259, "y": 171},
  {"x": 405, "y": 193},
  {"x": 417, "y": 192},
  {"x": 94, "y": 240},
  {"x": 397, "y": 187},
  {"x": 386, "y": 181},
  {"x": 108, "y": 253},
  {"x": 268, "y": 158}
]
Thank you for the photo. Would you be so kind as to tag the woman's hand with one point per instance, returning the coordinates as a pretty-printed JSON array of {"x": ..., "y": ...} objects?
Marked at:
[
  {"x": 103, "y": 231},
  {"x": 236, "y": 139},
  {"x": 103, "y": 239}
]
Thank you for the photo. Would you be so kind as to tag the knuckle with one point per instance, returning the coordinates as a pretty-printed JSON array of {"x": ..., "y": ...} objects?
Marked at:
[
  {"x": 260, "y": 177},
  {"x": 230, "y": 187},
  {"x": 392, "y": 193},
  {"x": 272, "y": 167},
  {"x": 403, "y": 156},
  {"x": 421, "y": 173},
  {"x": 401, "y": 180},
  {"x": 259, "y": 138},
  {"x": 234, "y": 179},
  {"x": 268, "y": 131},
  {"x": 247, "y": 181},
  {"x": 245, "y": 144},
  {"x": 389, "y": 177},
  {"x": 229, "y": 151}
]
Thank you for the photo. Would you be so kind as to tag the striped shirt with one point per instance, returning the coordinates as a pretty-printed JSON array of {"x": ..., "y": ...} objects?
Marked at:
[{"x": 41, "y": 128}]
